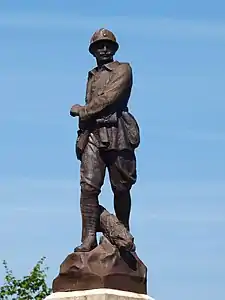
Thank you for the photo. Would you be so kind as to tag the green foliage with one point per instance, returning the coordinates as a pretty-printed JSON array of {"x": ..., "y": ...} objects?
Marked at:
[{"x": 31, "y": 287}]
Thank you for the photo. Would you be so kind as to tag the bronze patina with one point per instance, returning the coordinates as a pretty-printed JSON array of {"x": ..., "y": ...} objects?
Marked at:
[{"x": 108, "y": 136}]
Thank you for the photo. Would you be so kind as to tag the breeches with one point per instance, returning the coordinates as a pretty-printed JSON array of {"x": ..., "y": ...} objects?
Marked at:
[{"x": 121, "y": 166}]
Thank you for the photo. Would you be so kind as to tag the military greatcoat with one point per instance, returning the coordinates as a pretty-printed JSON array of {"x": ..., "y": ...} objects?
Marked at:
[
  {"x": 106, "y": 114},
  {"x": 108, "y": 133}
]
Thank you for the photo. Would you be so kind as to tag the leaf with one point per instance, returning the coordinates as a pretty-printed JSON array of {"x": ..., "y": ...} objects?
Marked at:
[{"x": 30, "y": 287}]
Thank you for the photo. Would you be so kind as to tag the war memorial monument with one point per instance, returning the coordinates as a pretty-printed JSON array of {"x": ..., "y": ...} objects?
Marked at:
[{"x": 107, "y": 138}]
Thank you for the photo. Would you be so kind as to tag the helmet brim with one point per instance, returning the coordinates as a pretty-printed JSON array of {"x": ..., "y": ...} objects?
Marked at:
[{"x": 93, "y": 44}]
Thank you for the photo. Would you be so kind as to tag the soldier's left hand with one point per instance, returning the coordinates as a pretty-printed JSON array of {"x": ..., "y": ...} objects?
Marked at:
[{"x": 75, "y": 109}]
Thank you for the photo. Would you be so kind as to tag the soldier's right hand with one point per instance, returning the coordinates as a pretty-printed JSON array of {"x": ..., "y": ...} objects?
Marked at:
[{"x": 75, "y": 109}]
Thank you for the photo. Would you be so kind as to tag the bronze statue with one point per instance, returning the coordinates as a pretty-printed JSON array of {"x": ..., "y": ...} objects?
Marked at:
[{"x": 107, "y": 137}]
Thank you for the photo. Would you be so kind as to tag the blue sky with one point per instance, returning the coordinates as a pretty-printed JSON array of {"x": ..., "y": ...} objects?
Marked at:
[{"x": 177, "y": 51}]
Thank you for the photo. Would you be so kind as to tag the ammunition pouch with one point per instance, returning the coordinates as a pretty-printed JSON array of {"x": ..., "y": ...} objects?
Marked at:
[
  {"x": 112, "y": 119},
  {"x": 132, "y": 129}
]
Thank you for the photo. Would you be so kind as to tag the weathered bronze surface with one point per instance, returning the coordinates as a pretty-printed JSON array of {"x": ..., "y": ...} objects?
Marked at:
[{"x": 107, "y": 138}]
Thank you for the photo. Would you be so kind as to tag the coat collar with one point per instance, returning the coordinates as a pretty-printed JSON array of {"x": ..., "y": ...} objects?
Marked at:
[{"x": 110, "y": 67}]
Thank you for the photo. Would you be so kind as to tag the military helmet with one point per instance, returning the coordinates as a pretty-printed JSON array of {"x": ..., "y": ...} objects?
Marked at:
[{"x": 103, "y": 35}]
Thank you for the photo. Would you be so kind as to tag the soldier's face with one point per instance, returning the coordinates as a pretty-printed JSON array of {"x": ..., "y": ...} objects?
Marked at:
[{"x": 104, "y": 51}]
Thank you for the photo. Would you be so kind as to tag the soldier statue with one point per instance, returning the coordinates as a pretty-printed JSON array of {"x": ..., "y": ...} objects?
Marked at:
[{"x": 107, "y": 137}]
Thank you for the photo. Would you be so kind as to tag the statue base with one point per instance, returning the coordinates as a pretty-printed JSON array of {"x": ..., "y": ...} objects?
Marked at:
[
  {"x": 98, "y": 294},
  {"x": 104, "y": 267}
]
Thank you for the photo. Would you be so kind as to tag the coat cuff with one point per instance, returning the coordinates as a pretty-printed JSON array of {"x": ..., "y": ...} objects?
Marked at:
[{"x": 83, "y": 112}]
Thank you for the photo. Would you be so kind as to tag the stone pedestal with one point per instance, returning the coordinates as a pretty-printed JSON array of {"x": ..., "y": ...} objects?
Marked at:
[
  {"x": 98, "y": 294},
  {"x": 104, "y": 267}
]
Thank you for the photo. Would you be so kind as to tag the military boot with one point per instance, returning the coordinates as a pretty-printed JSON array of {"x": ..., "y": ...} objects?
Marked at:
[{"x": 90, "y": 217}]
